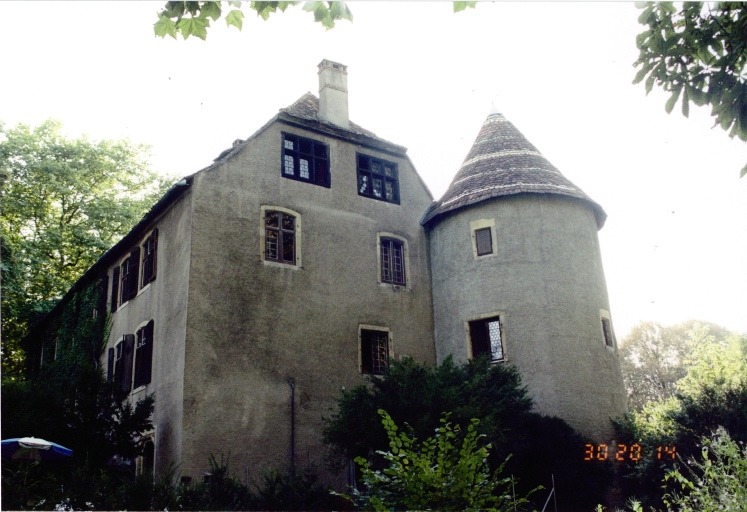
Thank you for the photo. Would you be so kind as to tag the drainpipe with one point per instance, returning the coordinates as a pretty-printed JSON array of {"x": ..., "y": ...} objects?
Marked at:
[{"x": 292, "y": 384}]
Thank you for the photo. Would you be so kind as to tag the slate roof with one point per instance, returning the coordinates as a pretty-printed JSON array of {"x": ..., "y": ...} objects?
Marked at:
[
  {"x": 305, "y": 110},
  {"x": 502, "y": 162}
]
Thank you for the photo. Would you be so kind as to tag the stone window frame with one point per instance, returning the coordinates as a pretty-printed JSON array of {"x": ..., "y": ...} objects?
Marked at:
[
  {"x": 305, "y": 154},
  {"x": 481, "y": 321},
  {"x": 381, "y": 238},
  {"x": 474, "y": 227},
  {"x": 369, "y": 169},
  {"x": 389, "y": 348},
  {"x": 608, "y": 332},
  {"x": 298, "y": 239}
]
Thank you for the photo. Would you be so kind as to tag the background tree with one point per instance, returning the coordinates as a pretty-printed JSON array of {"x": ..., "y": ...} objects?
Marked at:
[
  {"x": 65, "y": 201},
  {"x": 654, "y": 357},
  {"x": 710, "y": 394},
  {"x": 69, "y": 402},
  {"x": 697, "y": 52},
  {"x": 417, "y": 395}
]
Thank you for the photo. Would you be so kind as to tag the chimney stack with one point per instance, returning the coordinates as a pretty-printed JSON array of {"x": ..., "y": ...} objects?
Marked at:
[{"x": 333, "y": 93}]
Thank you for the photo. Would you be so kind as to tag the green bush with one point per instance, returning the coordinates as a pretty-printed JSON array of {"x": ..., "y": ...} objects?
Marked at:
[
  {"x": 717, "y": 482},
  {"x": 447, "y": 471}
]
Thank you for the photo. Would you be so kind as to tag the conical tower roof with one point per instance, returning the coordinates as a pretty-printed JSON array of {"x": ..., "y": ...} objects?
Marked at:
[{"x": 502, "y": 162}]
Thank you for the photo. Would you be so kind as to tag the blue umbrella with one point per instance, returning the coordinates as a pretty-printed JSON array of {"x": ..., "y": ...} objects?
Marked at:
[{"x": 33, "y": 448}]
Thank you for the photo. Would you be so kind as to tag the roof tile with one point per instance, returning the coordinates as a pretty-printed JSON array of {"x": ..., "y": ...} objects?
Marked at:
[{"x": 502, "y": 162}]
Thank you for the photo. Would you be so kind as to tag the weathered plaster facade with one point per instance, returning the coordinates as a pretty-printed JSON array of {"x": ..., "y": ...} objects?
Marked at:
[{"x": 249, "y": 353}]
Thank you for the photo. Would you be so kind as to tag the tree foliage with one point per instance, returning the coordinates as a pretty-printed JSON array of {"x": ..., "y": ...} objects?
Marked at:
[
  {"x": 447, "y": 471},
  {"x": 65, "y": 201},
  {"x": 193, "y": 18},
  {"x": 69, "y": 402},
  {"x": 710, "y": 394},
  {"x": 697, "y": 52},
  {"x": 718, "y": 481},
  {"x": 418, "y": 395},
  {"x": 655, "y": 358}
]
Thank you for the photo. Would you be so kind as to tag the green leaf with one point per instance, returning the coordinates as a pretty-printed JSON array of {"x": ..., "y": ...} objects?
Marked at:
[
  {"x": 165, "y": 26},
  {"x": 235, "y": 18},
  {"x": 210, "y": 10},
  {"x": 461, "y": 6},
  {"x": 743, "y": 172},
  {"x": 340, "y": 11},
  {"x": 650, "y": 83},
  {"x": 641, "y": 74},
  {"x": 192, "y": 27},
  {"x": 685, "y": 103},
  {"x": 672, "y": 101},
  {"x": 263, "y": 9}
]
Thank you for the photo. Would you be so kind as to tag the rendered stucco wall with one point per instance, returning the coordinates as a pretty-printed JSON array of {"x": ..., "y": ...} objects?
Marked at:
[
  {"x": 252, "y": 325},
  {"x": 164, "y": 301},
  {"x": 547, "y": 283}
]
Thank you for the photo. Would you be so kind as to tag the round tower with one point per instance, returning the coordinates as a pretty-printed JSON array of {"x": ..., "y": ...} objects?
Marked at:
[{"x": 517, "y": 275}]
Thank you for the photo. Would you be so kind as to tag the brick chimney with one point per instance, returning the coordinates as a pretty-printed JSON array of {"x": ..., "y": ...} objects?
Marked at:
[{"x": 333, "y": 93}]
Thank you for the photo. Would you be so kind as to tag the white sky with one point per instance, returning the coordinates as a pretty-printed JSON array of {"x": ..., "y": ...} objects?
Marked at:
[{"x": 675, "y": 242}]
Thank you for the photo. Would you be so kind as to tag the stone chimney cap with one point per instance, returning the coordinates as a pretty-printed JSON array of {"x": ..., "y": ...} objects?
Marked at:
[{"x": 326, "y": 63}]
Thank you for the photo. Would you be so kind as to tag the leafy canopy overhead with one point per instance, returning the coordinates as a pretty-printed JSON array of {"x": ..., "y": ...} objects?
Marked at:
[
  {"x": 697, "y": 53},
  {"x": 193, "y": 18}
]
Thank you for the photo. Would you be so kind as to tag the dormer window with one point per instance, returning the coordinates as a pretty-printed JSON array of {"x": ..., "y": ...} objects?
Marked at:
[
  {"x": 378, "y": 179},
  {"x": 305, "y": 160}
]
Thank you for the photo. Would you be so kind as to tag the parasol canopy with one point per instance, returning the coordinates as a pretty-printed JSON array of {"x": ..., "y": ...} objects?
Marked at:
[{"x": 33, "y": 448}]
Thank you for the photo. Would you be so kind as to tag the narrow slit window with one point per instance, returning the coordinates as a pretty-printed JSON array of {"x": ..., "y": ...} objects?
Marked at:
[{"x": 607, "y": 332}]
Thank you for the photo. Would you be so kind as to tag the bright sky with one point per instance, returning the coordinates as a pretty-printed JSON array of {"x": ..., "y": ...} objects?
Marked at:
[{"x": 675, "y": 242}]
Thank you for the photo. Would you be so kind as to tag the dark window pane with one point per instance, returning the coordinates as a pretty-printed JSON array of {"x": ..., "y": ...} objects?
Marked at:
[
  {"x": 306, "y": 146},
  {"x": 377, "y": 188},
  {"x": 374, "y": 351},
  {"x": 289, "y": 247},
  {"x": 289, "y": 222},
  {"x": 607, "y": 331},
  {"x": 378, "y": 179},
  {"x": 271, "y": 219},
  {"x": 486, "y": 338},
  {"x": 271, "y": 245},
  {"x": 484, "y": 241},
  {"x": 305, "y": 159},
  {"x": 392, "y": 261},
  {"x": 280, "y": 237}
]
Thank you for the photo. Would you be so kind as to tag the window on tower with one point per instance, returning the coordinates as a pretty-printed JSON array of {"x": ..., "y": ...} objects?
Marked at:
[
  {"x": 483, "y": 236},
  {"x": 486, "y": 338},
  {"x": 609, "y": 339}
]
